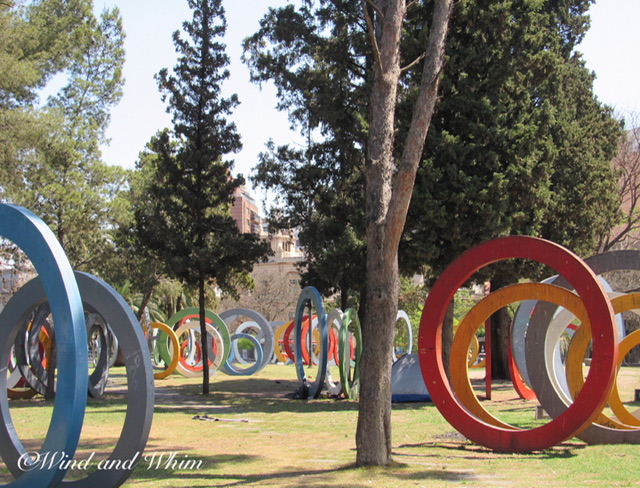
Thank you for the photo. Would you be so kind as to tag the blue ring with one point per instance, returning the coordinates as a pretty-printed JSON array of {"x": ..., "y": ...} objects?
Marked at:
[
  {"x": 309, "y": 293},
  {"x": 38, "y": 242},
  {"x": 231, "y": 370}
]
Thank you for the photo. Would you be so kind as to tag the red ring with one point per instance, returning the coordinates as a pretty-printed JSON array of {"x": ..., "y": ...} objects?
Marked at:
[{"x": 596, "y": 389}]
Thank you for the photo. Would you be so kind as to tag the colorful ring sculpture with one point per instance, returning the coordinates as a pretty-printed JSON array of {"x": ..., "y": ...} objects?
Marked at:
[
  {"x": 279, "y": 349},
  {"x": 215, "y": 360},
  {"x": 615, "y": 403},
  {"x": 57, "y": 284},
  {"x": 599, "y": 382},
  {"x": 539, "y": 333},
  {"x": 266, "y": 332},
  {"x": 165, "y": 333},
  {"x": 460, "y": 382},
  {"x": 33, "y": 323},
  {"x": 402, "y": 315},
  {"x": 230, "y": 369},
  {"x": 214, "y": 319},
  {"x": 99, "y": 298},
  {"x": 310, "y": 294}
]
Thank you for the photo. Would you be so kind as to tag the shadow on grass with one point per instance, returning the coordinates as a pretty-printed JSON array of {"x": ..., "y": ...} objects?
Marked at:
[
  {"x": 245, "y": 396},
  {"x": 296, "y": 478},
  {"x": 467, "y": 450}
]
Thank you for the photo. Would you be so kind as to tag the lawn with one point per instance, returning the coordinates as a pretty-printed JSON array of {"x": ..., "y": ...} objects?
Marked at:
[{"x": 250, "y": 432}]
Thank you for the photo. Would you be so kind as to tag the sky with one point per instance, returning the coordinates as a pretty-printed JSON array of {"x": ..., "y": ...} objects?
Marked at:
[{"x": 609, "y": 51}]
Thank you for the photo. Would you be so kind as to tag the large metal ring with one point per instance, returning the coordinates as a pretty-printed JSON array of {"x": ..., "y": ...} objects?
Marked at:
[
  {"x": 310, "y": 294},
  {"x": 98, "y": 297},
  {"x": 601, "y": 376},
  {"x": 267, "y": 331},
  {"x": 37, "y": 241},
  {"x": 539, "y": 333}
]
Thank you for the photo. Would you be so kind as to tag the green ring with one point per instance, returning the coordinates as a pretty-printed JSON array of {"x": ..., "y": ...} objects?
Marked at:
[{"x": 350, "y": 386}]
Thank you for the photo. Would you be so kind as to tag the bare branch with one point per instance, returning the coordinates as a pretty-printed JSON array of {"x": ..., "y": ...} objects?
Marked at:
[
  {"x": 627, "y": 166},
  {"x": 375, "y": 7},
  {"x": 413, "y": 63},
  {"x": 372, "y": 33}
]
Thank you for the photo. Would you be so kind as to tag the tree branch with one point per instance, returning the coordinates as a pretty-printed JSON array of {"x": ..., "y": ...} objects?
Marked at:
[
  {"x": 375, "y": 7},
  {"x": 413, "y": 63},
  {"x": 372, "y": 33},
  {"x": 404, "y": 178}
]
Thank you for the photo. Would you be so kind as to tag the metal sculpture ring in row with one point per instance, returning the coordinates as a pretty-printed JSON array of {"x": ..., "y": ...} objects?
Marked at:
[
  {"x": 35, "y": 338},
  {"x": 65, "y": 294},
  {"x": 37, "y": 241},
  {"x": 540, "y": 331},
  {"x": 599, "y": 312},
  {"x": 266, "y": 334},
  {"x": 98, "y": 298},
  {"x": 350, "y": 369},
  {"x": 311, "y": 295},
  {"x": 216, "y": 322},
  {"x": 160, "y": 346}
]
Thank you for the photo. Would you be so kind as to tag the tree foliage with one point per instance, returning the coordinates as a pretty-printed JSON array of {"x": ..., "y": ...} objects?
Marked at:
[
  {"x": 317, "y": 57},
  {"x": 519, "y": 143},
  {"x": 37, "y": 41},
  {"x": 186, "y": 220},
  {"x": 54, "y": 164}
]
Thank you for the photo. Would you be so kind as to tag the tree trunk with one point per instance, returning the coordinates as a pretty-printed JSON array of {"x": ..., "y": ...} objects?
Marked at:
[
  {"x": 500, "y": 324},
  {"x": 204, "y": 338},
  {"x": 152, "y": 280},
  {"x": 388, "y": 192}
]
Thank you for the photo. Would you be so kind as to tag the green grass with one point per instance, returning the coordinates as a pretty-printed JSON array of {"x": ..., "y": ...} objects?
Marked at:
[{"x": 265, "y": 438}]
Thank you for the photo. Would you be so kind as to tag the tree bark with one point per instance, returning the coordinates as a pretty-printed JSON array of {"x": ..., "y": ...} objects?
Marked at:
[
  {"x": 388, "y": 193},
  {"x": 204, "y": 337},
  {"x": 500, "y": 324}
]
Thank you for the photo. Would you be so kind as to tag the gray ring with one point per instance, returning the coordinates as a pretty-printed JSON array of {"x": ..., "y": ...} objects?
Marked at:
[
  {"x": 27, "y": 345},
  {"x": 535, "y": 343},
  {"x": 268, "y": 348},
  {"x": 110, "y": 305},
  {"x": 100, "y": 375}
]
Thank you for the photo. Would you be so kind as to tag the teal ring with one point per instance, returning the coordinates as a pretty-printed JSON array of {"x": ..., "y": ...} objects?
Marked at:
[
  {"x": 310, "y": 294},
  {"x": 38, "y": 242},
  {"x": 350, "y": 381}
]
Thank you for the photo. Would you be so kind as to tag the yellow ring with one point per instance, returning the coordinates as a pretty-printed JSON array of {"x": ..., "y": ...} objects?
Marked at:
[
  {"x": 618, "y": 408},
  {"x": 174, "y": 341},
  {"x": 575, "y": 355},
  {"x": 467, "y": 328}
]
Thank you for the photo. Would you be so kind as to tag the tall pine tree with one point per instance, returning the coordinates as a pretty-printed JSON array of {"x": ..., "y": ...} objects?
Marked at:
[{"x": 187, "y": 221}]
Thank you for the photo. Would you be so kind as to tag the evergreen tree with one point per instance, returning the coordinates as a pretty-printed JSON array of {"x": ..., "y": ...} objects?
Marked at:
[
  {"x": 37, "y": 41},
  {"x": 317, "y": 57},
  {"x": 519, "y": 144},
  {"x": 61, "y": 176},
  {"x": 187, "y": 221}
]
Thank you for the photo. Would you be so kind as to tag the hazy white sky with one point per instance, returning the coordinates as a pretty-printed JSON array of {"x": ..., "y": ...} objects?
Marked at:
[{"x": 609, "y": 50}]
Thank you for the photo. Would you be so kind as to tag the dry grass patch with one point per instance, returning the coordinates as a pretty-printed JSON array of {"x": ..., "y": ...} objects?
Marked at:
[{"x": 263, "y": 437}]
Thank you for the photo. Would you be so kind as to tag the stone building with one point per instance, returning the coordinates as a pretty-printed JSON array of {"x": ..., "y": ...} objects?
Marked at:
[{"x": 277, "y": 281}]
